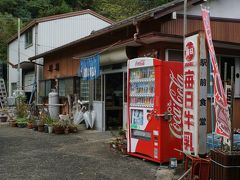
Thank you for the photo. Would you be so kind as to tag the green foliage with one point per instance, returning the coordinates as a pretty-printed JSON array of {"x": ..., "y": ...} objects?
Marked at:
[
  {"x": 49, "y": 121},
  {"x": 59, "y": 124},
  {"x": 21, "y": 107},
  {"x": 21, "y": 121},
  {"x": 7, "y": 29},
  {"x": 29, "y": 9}
]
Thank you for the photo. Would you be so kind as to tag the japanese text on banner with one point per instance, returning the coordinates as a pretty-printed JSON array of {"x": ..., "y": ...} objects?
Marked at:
[
  {"x": 89, "y": 67},
  {"x": 190, "y": 105}
]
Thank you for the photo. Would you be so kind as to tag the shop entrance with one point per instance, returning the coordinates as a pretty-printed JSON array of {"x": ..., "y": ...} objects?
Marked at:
[{"x": 114, "y": 100}]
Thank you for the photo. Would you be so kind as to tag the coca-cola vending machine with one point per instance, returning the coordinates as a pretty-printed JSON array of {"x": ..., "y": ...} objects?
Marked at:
[{"x": 155, "y": 97}]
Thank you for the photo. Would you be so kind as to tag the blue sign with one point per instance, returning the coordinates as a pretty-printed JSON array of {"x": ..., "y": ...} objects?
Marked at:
[{"x": 89, "y": 67}]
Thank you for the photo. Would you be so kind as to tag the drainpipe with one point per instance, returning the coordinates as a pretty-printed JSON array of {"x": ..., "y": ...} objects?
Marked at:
[
  {"x": 136, "y": 35},
  {"x": 36, "y": 66},
  {"x": 19, "y": 85}
]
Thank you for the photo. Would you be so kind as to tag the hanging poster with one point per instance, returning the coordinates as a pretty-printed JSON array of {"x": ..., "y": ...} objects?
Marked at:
[{"x": 89, "y": 67}]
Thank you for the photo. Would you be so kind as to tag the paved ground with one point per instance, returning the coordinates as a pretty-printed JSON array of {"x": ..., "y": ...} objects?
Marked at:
[{"x": 26, "y": 154}]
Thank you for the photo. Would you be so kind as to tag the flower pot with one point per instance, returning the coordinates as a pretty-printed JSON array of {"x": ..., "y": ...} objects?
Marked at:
[
  {"x": 46, "y": 128},
  {"x": 21, "y": 125},
  {"x": 225, "y": 159},
  {"x": 35, "y": 127},
  {"x": 50, "y": 129},
  {"x": 59, "y": 130},
  {"x": 29, "y": 125},
  {"x": 13, "y": 123},
  {"x": 3, "y": 118},
  {"x": 40, "y": 128},
  {"x": 73, "y": 129},
  {"x": 66, "y": 131}
]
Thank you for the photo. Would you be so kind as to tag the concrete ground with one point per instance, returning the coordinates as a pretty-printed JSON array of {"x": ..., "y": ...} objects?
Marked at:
[{"x": 29, "y": 155}]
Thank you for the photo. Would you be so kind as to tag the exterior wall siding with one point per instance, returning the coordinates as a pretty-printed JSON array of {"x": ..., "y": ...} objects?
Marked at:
[
  {"x": 53, "y": 34},
  {"x": 219, "y": 8},
  {"x": 221, "y": 31},
  {"x": 25, "y": 53},
  {"x": 68, "y": 67}
]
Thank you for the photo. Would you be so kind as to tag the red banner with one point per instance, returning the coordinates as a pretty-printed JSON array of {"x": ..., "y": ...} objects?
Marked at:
[{"x": 223, "y": 123}]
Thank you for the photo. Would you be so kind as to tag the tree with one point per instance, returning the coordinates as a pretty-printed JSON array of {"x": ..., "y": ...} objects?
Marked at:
[
  {"x": 118, "y": 10},
  {"x": 7, "y": 29},
  {"x": 29, "y": 9}
]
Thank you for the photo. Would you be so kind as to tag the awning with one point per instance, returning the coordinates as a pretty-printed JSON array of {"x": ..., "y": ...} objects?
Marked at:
[{"x": 25, "y": 65}]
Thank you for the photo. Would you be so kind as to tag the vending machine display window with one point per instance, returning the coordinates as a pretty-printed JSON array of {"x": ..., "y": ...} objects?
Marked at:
[{"x": 137, "y": 117}]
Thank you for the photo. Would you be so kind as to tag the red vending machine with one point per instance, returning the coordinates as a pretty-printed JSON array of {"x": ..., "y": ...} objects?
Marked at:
[{"x": 155, "y": 97}]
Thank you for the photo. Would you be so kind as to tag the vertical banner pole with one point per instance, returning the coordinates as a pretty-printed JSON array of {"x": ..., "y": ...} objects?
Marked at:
[
  {"x": 212, "y": 101},
  {"x": 232, "y": 98}
]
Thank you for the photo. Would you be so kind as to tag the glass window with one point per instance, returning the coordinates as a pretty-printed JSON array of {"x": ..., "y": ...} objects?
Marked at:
[
  {"x": 225, "y": 64},
  {"x": 48, "y": 87},
  {"x": 66, "y": 86},
  {"x": 61, "y": 87},
  {"x": 84, "y": 90},
  {"x": 42, "y": 88},
  {"x": 69, "y": 86},
  {"x": 28, "y": 38},
  {"x": 14, "y": 87},
  {"x": 174, "y": 55}
]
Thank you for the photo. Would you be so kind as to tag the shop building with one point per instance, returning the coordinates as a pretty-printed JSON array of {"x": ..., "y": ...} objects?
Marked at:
[
  {"x": 43, "y": 34},
  {"x": 154, "y": 33}
]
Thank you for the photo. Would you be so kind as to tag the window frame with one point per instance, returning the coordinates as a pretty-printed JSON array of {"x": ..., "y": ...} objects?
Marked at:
[{"x": 28, "y": 38}]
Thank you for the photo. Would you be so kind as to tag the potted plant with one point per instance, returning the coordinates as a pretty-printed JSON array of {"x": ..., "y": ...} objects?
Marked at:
[
  {"x": 3, "y": 117},
  {"x": 59, "y": 127},
  {"x": 41, "y": 126},
  {"x": 21, "y": 111},
  {"x": 30, "y": 123},
  {"x": 73, "y": 128},
  {"x": 49, "y": 121},
  {"x": 21, "y": 106},
  {"x": 21, "y": 122}
]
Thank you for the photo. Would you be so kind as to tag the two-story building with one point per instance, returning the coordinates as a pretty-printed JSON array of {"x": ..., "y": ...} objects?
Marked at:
[
  {"x": 156, "y": 33},
  {"x": 43, "y": 34}
]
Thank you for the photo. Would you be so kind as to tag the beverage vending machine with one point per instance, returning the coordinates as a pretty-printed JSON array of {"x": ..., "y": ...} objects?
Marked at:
[{"x": 155, "y": 97}]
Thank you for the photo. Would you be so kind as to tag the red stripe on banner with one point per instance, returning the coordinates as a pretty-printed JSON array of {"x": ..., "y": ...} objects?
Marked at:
[{"x": 223, "y": 124}]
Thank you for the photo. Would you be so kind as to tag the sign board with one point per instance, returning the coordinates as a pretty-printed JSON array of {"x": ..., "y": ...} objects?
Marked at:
[
  {"x": 194, "y": 94},
  {"x": 89, "y": 67}
]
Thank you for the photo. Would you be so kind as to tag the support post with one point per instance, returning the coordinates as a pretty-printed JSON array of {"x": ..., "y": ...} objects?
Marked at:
[
  {"x": 232, "y": 99},
  {"x": 19, "y": 86}
]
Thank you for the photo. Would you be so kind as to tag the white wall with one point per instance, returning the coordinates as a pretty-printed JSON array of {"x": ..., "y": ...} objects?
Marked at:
[
  {"x": 25, "y": 53},
  {"x": 52, "y": 34},
  {"x": 219, "y": 8}
]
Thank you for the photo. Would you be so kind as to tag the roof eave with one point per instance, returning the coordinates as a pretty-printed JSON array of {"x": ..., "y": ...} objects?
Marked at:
[{"x": 140, "y": 17}]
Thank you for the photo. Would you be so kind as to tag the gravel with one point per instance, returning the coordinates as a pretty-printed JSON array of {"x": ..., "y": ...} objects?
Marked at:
[{"x": 26, "y": 154}]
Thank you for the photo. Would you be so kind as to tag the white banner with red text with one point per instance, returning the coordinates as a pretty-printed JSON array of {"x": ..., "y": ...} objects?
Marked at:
[{"x": 223, "y": 123}]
